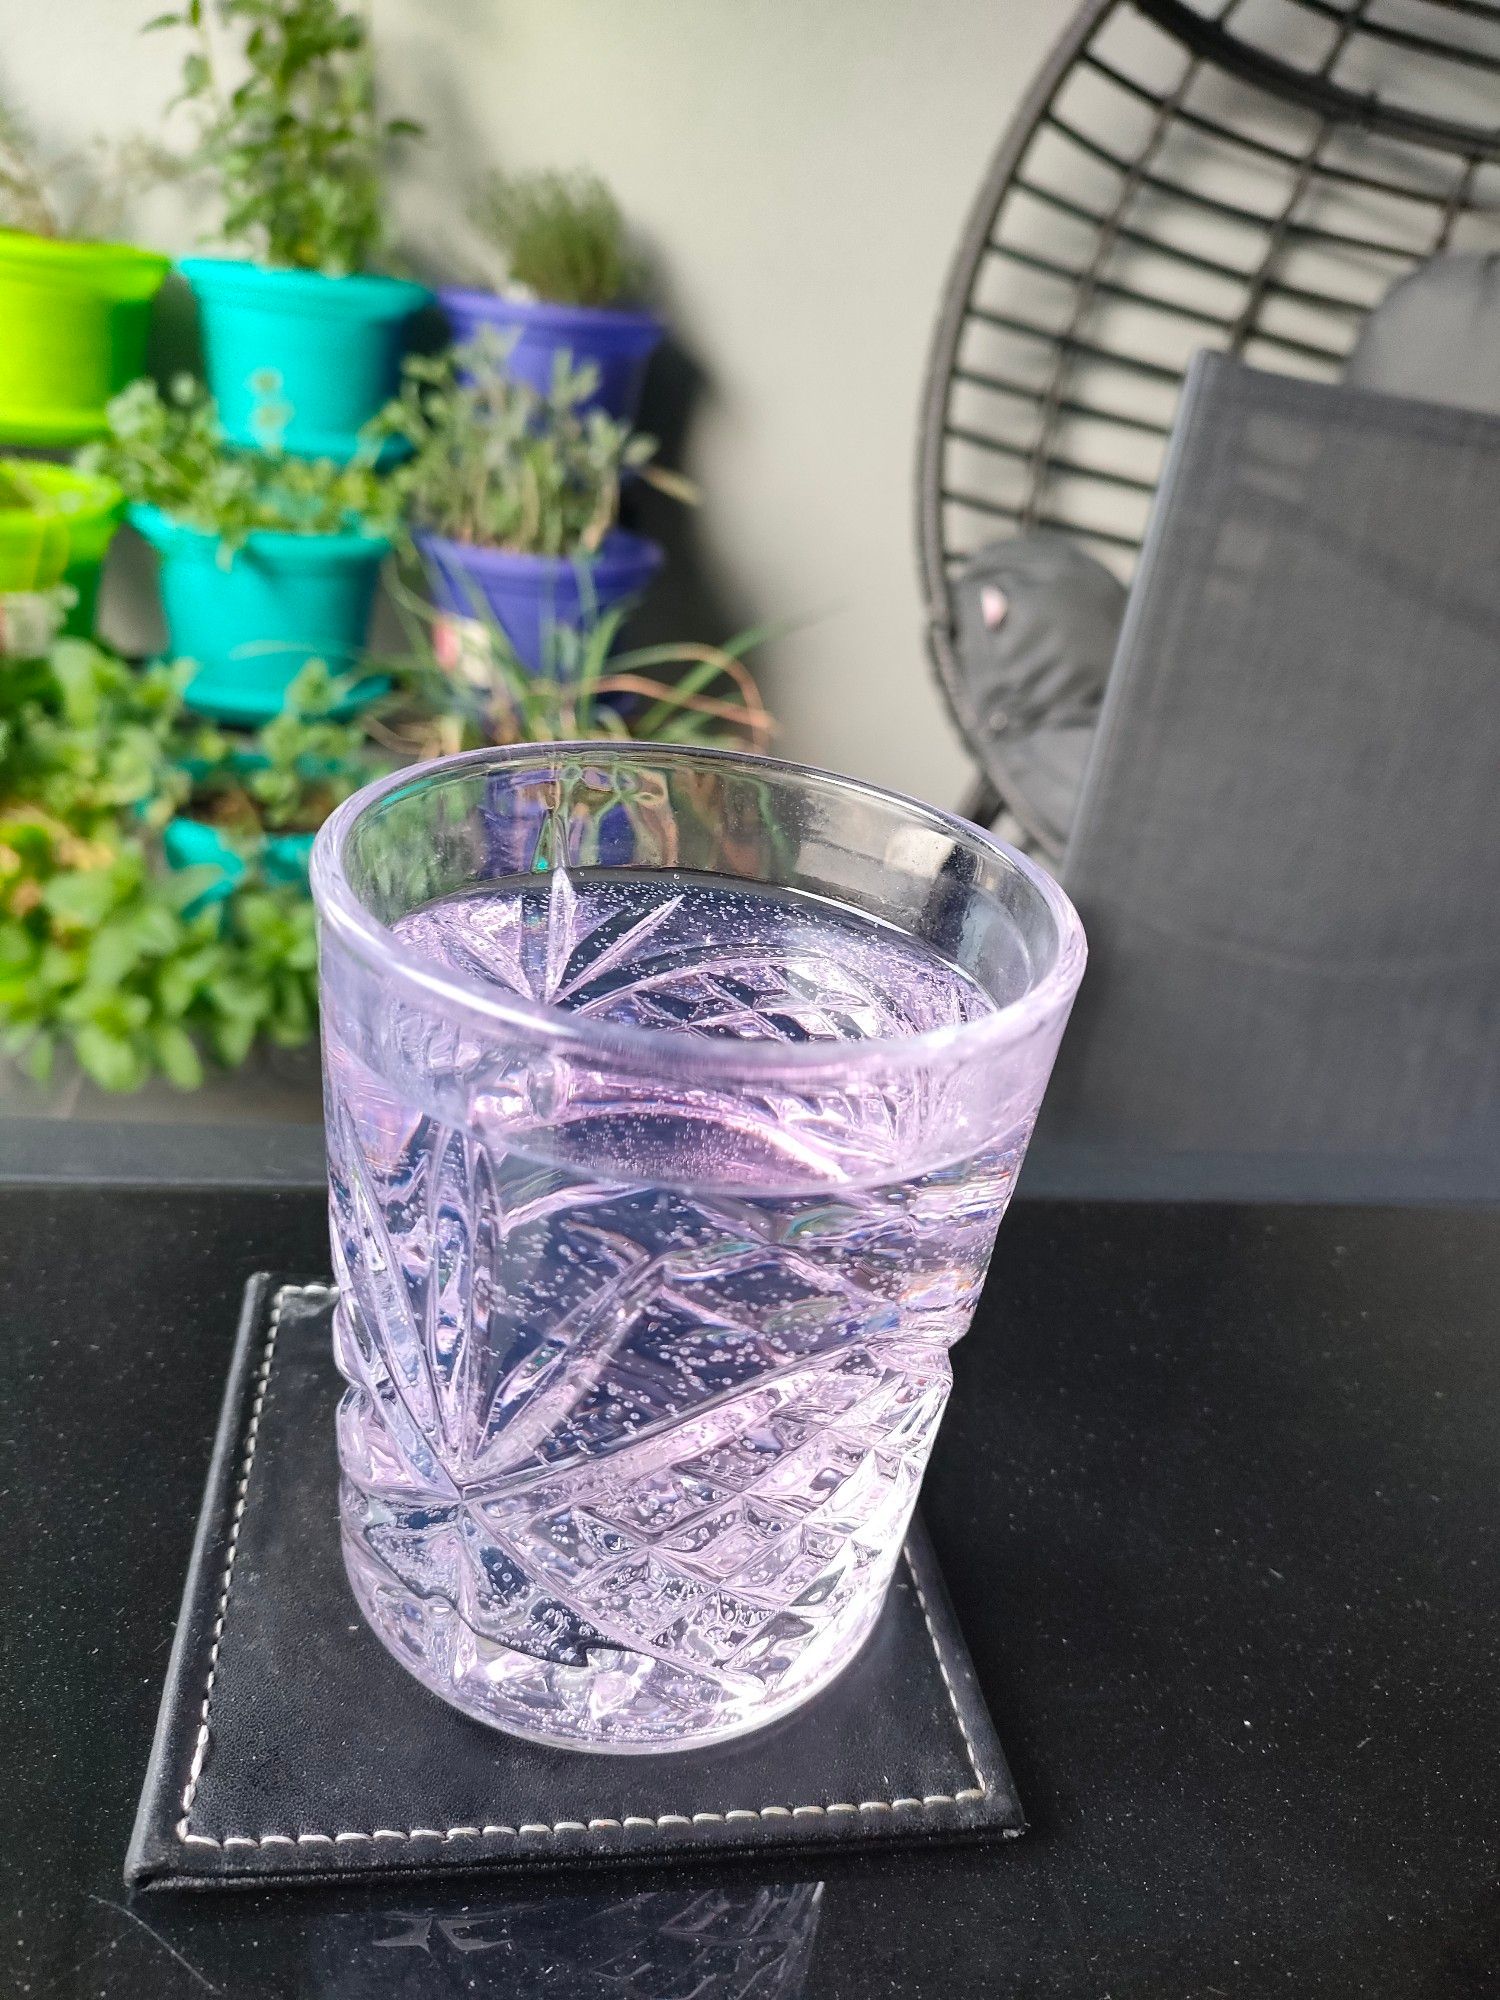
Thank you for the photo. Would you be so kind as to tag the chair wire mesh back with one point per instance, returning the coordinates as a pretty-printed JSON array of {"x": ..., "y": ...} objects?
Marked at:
[{"x": 1246, "y": 175}]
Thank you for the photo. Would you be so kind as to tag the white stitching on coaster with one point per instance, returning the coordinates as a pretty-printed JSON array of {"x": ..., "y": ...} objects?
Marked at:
[
  {"x": 221, "y": 1610},
  {"x": 937, "y": 1653},
  {"x": 931, "y": 1801}
]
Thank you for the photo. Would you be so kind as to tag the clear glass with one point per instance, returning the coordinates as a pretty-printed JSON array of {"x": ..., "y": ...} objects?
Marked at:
[{"x": 673, "y": 1100}]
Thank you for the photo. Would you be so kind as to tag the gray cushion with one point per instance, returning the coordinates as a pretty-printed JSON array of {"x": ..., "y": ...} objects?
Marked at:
[
  {"x": 1436, "y": 334},
  {"x": 1037, "y": 620}
]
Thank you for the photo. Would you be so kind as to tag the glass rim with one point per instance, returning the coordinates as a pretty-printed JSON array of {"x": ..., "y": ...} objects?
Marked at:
[{"x": 1002, "y": 1025}]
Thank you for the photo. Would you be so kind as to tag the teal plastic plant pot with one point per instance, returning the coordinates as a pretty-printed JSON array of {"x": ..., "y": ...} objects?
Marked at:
[
  {"x": 334, "y": 345},
  {"x": 251, "y": 623},
  {"x": 193, "y": 843},
  {"x": 73, "y": 324},
  {"x": 64, "y": 538}
]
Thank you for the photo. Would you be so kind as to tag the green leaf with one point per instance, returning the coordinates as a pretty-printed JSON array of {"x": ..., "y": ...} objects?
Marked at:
[
  {"x": 181, "y": 1064},
  {"x": 108, "y": 1008},
  {"x": 82, "y": 899},
  {"x": 236, "y": 991},
  {"x": 60, "y": 968},
  {"x": 110, "y": 1059},
  {"x": 38, "y": 1058},
  {"x": 17, "y": 947},
  {"x": 183, "y": 886},
  {"x": 260, "y": 919},
  {"x": 155, "y": 929},
  {"x": 293, "y": 1019},
  {"x": 234, "y": 1038},
  {"x": 113, "y": 954},
  {"x": 301, "y": 954},
  {"x": 181, "y": 980}
]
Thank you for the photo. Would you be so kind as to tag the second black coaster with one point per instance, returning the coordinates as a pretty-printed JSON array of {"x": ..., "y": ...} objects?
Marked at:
[{"x": 290, "y": 1745}]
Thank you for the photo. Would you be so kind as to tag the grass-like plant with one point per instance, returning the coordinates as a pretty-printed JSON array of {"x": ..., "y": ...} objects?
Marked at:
[
  {"x": 169, "y": 452},
  {"x": 78, "y": 197},
  {"x": 297, "y": 145},
  {"x": 497, "y": 465},
  {"x": 562, "y": 236},
  {"x": 461, "y": 687}
]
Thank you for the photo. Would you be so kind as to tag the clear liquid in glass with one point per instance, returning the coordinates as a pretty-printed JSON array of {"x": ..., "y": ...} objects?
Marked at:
[{"x": 628, "y": 1456}]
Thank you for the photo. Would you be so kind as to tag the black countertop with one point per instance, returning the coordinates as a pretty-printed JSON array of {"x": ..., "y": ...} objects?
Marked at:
[{"x": 1217, "y": 1500}]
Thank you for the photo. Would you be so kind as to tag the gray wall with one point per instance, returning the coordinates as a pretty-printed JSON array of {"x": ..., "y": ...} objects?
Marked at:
[{"x": 799, "y": 171}]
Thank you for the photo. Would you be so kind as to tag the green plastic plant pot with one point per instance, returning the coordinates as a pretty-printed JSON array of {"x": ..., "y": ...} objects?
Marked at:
[
  {"x": 252, "y": 623},
  {"x": 334, "y": 346},
  {"x": 73, "y": 324},
  {"x": 85, "y": 572},
  {"x": 64, "y": 539}
]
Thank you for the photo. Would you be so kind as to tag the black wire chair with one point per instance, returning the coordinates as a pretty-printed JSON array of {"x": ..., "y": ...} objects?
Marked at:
[{"x": 1250, "y": 175}]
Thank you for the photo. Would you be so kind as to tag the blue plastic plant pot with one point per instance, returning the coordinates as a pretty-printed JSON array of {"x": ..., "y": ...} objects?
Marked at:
[
  {"x": 513, "y": 824},
  {"x": 529, "y": 597},
  {"x": 252, "y": 625},
  {"x": 334, "y": 345},
  {"x": 618, "y": 343}
]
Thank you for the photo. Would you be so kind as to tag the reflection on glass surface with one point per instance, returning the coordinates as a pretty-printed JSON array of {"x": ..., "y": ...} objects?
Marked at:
[{"x": 753, "y": 1943}]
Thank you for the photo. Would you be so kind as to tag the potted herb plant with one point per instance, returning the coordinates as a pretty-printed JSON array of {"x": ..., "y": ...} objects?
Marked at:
[
  {"x": 463, "y": 686},
  {"x": 254, "y": 808},
  {"x": 55, "y": 526},
  {"x": 572, "y": 286},
  {"x": 298, "y": 148},
  {"x": 74, "y": 310},
  {"x": 266, "y": 561},
  {"x": 107, "y": 957},
  {"x": 511, "y": 494},
  {"x": 466, "y": 687}
]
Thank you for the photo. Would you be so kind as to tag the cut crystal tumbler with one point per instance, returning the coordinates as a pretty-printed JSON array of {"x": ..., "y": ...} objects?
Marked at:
[{"x": 673, "y": 1098}]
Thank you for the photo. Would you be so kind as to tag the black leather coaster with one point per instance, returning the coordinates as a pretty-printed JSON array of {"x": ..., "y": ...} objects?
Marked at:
[{"x": 290, "y": 1745}]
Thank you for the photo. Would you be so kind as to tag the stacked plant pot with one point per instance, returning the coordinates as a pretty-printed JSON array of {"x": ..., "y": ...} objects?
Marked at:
[
  {"x": 271, "y": 498},
  {"x": 302, "y": 341},
  {"x": 568, "y": 314},
  {"x": 615, "y": 342},
  {"x": 534, "y": 599},
  {"x": 75, "y": 317},
  {"x": 250, "y": 619},
  {"x": 297, "y": 362}
]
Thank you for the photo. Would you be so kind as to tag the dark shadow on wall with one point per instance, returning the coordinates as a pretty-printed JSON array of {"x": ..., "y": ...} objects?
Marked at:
[
  {"x": 129, "y": 611},
  {"x": 174, "y": 347},
  {"x": 692, "y": 598}
]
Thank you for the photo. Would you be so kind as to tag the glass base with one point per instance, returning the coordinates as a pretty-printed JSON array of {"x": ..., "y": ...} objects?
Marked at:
[{"x": 619, "y": 1703}]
